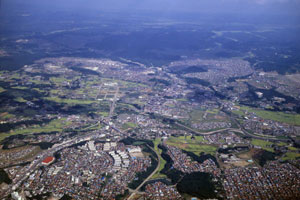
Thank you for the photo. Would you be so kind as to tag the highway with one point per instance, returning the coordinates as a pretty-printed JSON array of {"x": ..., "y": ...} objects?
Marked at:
[
  {"x": 112, "y": 107},
  {"x": 240, "y": 130},
  {"x": 256, "y": 136}
]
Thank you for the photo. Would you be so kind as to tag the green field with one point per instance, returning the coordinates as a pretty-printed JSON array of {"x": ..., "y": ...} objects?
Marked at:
[
  {"x": 69, "y": 101},
  {"x": 282, "y": 144},
  {"x": 182, "y": 100},
  {"x": 58, "y": 80},
  {"x": 54, "y": 126},
  {"x": 197, "y": 115},
  {"x": 214, "y": 115},
  {"x": 195, "y": 146},
  {"x": 2, "y": 90},
  {"x": 214, "y": 111},
  {"x": 293, "y": 119},
  {"x": 39, "y": 90},
  {"x": 20, "y": 99},
  {"x": 129, "y": 125},
  {"x": 292, "y": 148},
  {"x": 162, "y": 161},
  {"x": 104, "y": 114},
  {"x": 238, "y": 112},
  {"x": 20, "y": 88},
  {"x": 124, "y": 83},
  {"x": 187, "y": 139},
  {"x": 6, "y": 115},
  {"x": 291, "y": 156},
  {"x": 55, "y": 92},
  {"x": 263, "y": 144},
  {"x": 16, "y": 76}
]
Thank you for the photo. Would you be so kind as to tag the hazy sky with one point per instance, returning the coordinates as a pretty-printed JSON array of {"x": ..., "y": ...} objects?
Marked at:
[
  {"x": 285, "y": 6},
  {"x": 267, "y": 10}
]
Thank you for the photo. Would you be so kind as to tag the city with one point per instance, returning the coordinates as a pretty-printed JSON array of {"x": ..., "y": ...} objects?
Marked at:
[{"x": 91, "y": 156}]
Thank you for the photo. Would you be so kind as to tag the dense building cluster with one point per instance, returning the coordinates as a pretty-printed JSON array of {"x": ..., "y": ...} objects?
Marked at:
[
  {"x": 184, "y": 163},
  {"x": 160, "y": 191},
  {"x": 88, "y": 172},
  {"x": 11, "y": 156},
  {"x": 274, "y": 181},
  {"x": 216, "y": 71},
  {"x": 225, "y": 138},
  {"x": 211, "y": 125},
  {"x": 267, "y": 127}
]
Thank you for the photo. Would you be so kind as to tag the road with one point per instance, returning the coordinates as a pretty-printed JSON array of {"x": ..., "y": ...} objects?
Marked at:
[
  {"x": 256, "y": 136},
  {"x": 206, "y": 133},
  {"x": 240, "y": 130},
  {"x": 147, "y": 179},
  {"x": 112, "y": 107},
  {"x": 99, "y": 91}
]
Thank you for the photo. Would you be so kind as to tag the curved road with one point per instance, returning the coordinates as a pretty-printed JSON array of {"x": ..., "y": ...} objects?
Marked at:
[{"x": 147, "y": 179}]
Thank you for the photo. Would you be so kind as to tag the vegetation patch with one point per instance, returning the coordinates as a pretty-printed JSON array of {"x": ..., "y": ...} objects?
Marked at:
[
  {"x": 129, "y": 125},
  {"x": 4, "y": 177},
  {"x": 198, "y": 184},
  {"x": 20, "y": 100},
  {"x": 104, "y": 114},
  {"x": 2, "y": 90},
  {"x": 202, "y": 82},
  {"x": 69, "y": 101},
  {"x": 282, "y": 144},
  {"x": 263, "y": 144},
  {"x": 197, "y": 115},
  {"x": 6, "y": 115},
  {"x": 54, "y": 126},
  {"x": 192, "y": 145},
  {"x": 20, "y": 88},
  {"x": 163, "y": 162},
  {"x": 293, "y": 119},
  {"x": 161, "y": 81},
  {"x": 291, "y": 156},
  {"x": 132, "y": 141},
  {"x": 141, "y": 176},
  {"x": 202, "y": 157},
  {"x": 262, "y": 156},
  {"x": 292, "y": 148}
]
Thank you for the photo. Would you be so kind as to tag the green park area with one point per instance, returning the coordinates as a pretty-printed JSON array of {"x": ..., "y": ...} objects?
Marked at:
[
  {"x": 56, "y": 125},
  {"x": 291, "y": 156},
  {"x": 292, "y": 119},
  {"x": 128, "y": 125},
  {"x": 69, "y": 101},
  {"x": 20, "y": 100},
  {"x": 201, "y": 116},
  {"x": 6, "y": 115},
  {"x": 58, "y": 80},
  {"x": 158, "y": 174},
  {"x": 192, "y": 145},
  {"x": 2, "y": 90},
  {"x": 20, "y": 88},
  {"x": 104, "y": 114},
  {"x": 263, "y": 144},
  {"x": 197, "y": 115},
  {"x": 186, "y": 139}
]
